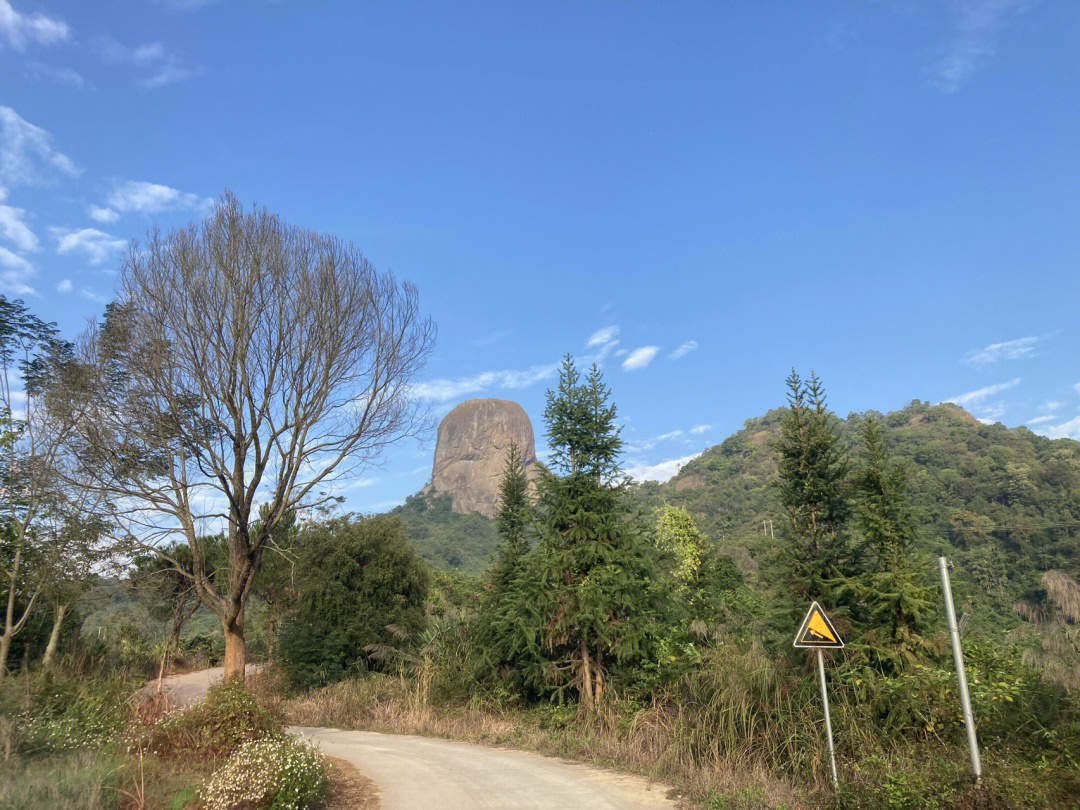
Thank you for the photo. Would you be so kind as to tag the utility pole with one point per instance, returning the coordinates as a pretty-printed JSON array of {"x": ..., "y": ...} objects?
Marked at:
[{"x": 961, "y": 675}]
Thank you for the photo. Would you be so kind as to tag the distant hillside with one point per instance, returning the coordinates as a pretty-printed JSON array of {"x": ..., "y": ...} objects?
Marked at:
[
  {"x": 446, "y": 539},
  {"x": 1002, "y": 503}
]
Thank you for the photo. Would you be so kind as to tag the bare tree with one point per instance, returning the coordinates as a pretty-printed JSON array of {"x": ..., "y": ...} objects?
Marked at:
[{"x": 246, "y": 363}]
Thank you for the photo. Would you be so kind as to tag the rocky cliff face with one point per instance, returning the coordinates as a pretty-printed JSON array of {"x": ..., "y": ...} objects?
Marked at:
[{"x": 470, "y": 454}]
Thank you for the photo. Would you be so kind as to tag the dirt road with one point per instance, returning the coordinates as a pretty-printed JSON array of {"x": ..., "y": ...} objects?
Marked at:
[
  {"x": 422, "y": 772},
  {"x": 415, "y": 773}
]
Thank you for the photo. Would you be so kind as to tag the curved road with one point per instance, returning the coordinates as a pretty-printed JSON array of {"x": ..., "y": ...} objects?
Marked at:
[{"x": 426, "y": 772}]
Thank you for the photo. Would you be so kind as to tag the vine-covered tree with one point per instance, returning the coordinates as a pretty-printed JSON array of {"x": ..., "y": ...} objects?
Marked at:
[{"x": 247, "y": 363}]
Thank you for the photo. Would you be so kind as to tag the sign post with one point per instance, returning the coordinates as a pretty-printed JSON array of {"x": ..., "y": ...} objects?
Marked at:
[
  {"x": 817, "y": 633},
  {"x": 961, "y": 675}
]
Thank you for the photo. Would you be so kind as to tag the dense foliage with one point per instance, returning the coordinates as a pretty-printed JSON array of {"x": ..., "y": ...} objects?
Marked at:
[
  {"x": 446, "y": 539},
  {"x": 359, "y": 584}
]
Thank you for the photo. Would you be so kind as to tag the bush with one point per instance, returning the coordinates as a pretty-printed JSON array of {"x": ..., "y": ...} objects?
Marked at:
[
  {"x": 57, "y": 714},
  {"x": 354, "y": 579},
  {"x": 274, "y": 773},
  {"x": 216, "y": 727}
]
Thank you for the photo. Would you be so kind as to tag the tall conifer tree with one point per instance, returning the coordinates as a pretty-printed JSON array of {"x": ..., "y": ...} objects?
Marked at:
[
  {"x": 813, "y": 471},
  {"x": 512, "y": 521},
  {"x": 594, "y": 562}
]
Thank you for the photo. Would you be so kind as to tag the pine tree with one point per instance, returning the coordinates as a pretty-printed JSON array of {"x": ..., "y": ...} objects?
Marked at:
[
  {"x": 892, "y": 587},
  {"x": 512, "y": 521},
  {"x": 813, "y": 470},
  {"x": 593, "y": 561}
]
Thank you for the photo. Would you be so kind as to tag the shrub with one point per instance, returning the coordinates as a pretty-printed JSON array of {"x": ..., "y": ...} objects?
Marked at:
[
  {"x": 354, "y": 578},
  {"x": 216, "y": 727},
  {"x": 274, "y": 773},
  {"x": 60, "y": 714}
]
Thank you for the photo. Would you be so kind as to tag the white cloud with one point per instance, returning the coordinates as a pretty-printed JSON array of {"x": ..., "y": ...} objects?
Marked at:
[
  {"x": 19, "y": 28},
  {"x": 980, "y": 395},
  {"x": 603, "y": 336},
  {"x": 97, "y": 245},
  {"x": 602, "y": 342},
  {"x": 38, "y": 71},
  {"x": 1010, "y": 350},
  {"x": 639, "y": 358},
  {"x": 26, "y": 153},
  {"x": 443, "y": 390},
  {"x": 99, "y": 214},
  {"x": 664, "y": 437},
  {"x": 700, "y": 429},
  {"x": 658, "y": 472},
  {"x": 166, "y": 68},
  {"x": 64, "y": 286},
  {"x": 685, "y": 349},
  {"x": 976, "y": 29},
  {"x": 1040, "y": 419},
  {"x": 14, "y": 229},
  {"x": 14, "y": 271},
  {"x": 91, "y": 295},
  {"x": 1076, "y": 388},
  {"x": 152, "y": 198},
  {"x": 1066, "y": 430}
]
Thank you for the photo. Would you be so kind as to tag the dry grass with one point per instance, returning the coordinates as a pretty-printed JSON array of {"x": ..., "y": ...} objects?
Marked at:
[
  {"x": 645, "y": 742},
  {"x": 348, "y": 789}
]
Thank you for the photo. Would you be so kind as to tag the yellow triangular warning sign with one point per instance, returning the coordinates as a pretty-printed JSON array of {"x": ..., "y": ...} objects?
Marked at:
[{"x": 816, "y": 630}]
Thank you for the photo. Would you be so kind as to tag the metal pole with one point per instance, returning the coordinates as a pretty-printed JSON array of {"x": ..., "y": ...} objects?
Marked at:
[
  {"x": 828, "y": 720},
  {"x": 961, "y": 675}
]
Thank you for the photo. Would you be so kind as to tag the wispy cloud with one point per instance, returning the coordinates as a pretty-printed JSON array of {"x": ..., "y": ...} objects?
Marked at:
[
  {"x": 639, "y": 358},
  {"x": 976, "y": 29},
  {"x": 980, "y": 395},
  {"x": 696, "y": 429},
  {"x": 664, "y": 437},
  {"x": 136, "y": 196},
  {"x": 663, "y": 471},
  {"x": 1009, "y": 350},
  {"x": 1076, "y": 388},
  {"x": 443, "y": 390},
  {"x": 685, "y": 349},
  {"x": 1040, "y": 419},
  {"x": 19, "y": 29},
  {"x": 600, "y": 344},
  {"x": 64, "y": 286},
  {"x": 27, "y": 156},
  {"x": 162, "y": 67},
  {"x": 98, "y": 246},
  {"x": 38, "y": 71},
  {"x": 92, "y": 295}
]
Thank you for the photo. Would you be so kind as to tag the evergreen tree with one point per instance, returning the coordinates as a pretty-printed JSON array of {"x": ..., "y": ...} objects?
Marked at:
[
  {"x": 512, "y": 520},
  {"x": 891, "y": 588},
  {"x": 813, "y": 471},
  {"x": 593, "y": 562}
]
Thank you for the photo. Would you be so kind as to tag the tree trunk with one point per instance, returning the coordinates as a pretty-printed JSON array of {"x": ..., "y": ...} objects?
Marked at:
[
  {"x": 586, "y": 677},
  {"x": 54, "y": 637},
  {"x": 5, "y": 647},
  {"x": 235, "y": 648}
]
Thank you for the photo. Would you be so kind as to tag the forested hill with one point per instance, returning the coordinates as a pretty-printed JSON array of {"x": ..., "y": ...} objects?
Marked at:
[{"x": 1002, "y": 503}]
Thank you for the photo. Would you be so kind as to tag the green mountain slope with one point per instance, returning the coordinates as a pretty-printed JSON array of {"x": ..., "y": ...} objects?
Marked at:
[
  {"x": 1003, "y": 504},
  {"x": 445, "y": 539}
]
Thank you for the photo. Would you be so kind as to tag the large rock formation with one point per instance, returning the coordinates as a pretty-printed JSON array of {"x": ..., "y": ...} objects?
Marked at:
[{"x": 470, "y": 454}]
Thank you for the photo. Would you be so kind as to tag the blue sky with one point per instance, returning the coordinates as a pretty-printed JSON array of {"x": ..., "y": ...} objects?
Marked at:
[{"x": 699, "y": 195}]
